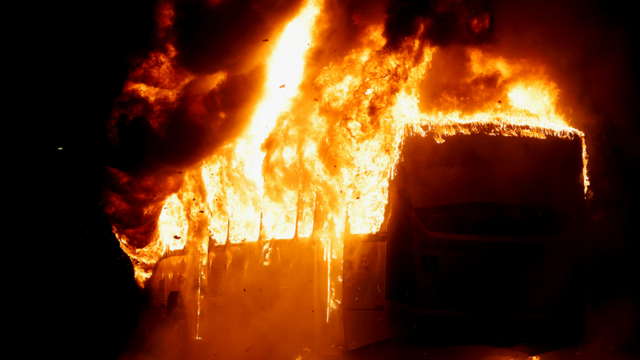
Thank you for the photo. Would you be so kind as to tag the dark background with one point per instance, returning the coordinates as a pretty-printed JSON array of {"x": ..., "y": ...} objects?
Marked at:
[{"x": 82, "y": 54}]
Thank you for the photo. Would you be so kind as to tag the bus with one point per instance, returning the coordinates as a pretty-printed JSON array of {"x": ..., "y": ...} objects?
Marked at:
[{"x": 482, "y": 244}]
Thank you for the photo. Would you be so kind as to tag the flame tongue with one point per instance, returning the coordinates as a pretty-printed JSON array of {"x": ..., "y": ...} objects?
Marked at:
[{"x": 285, "y": 67}]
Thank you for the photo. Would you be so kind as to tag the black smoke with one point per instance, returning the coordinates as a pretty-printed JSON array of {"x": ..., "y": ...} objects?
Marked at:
[{"x": 442, "y": 22}]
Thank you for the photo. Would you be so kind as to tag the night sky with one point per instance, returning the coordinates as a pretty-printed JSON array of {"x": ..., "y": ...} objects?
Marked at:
[{"x": 83, "y": 53}]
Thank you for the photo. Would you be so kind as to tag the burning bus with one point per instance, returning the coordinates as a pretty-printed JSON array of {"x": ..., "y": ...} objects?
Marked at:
[
  {"x": 396, "y": 189},
  {"x": 481, "y": 245}
]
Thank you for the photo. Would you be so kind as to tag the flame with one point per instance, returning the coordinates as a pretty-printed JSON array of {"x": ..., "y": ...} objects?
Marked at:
[
  {"x": 173, "y": 221},
  {"x": 143, "y": 259},
  {"x": 286, "y": 65},
  {"x": 535, "y": 98},
  {"x": 334, "y": 156}
]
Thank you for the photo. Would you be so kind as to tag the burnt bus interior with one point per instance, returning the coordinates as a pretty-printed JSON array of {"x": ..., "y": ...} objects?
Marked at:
[
  {"x": 484, "y": 242},
  {"x": 482, "y": 245}
]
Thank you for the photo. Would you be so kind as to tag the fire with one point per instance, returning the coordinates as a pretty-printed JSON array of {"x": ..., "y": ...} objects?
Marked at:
[
  {"x": 328, "y": 141},
  {"x": 285, "y": 67},
  {"x": 538, "y": 99},
  {"x": 173, "y": 220}
]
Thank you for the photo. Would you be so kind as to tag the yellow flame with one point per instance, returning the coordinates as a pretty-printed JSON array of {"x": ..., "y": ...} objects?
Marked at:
[
  {"x": 173, "y": 225},
  {"x": 286, "y": 65},
  {"x": 238, "y": 185},
  {"x": 536, "y": 98}
]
